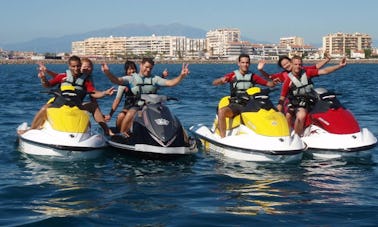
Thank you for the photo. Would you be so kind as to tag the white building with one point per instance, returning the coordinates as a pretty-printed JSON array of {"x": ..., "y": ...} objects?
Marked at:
[
  {"x": 169, "y": 47},
  {"x": 217, "y": 40},
  {"x": 338, "y": 44}
]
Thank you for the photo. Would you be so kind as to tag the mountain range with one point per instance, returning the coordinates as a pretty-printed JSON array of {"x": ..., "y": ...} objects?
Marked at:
[{"x": 63, "y": 43}]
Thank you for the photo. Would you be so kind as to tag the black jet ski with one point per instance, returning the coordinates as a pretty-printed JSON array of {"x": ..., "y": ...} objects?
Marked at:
[{"x": 155, "y": 131}]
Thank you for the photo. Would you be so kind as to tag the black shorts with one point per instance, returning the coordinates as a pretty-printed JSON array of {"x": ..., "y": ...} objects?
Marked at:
[
  {"x": 236, "y": 108},
  {"x": 129, "y": 103}
]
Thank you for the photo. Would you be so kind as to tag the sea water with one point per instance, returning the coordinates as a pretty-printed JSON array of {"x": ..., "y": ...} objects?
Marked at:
[{"x": 201, "y": 190}]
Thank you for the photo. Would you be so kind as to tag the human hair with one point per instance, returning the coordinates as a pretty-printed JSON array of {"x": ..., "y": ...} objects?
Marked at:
[
  {"x": 244, "y": 56},
  {"x": 297, "y": 57},
  {"x": 87, "y": 60},
  {"x": 74, "y": 58},
  {"x": 129, "y": 64},
  {"x": 149, "y": 60},
  {"x": 281, "y": 58}
]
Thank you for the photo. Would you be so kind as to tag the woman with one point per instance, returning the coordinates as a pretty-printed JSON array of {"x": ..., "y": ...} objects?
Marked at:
[{"x": 130, "y": 68}]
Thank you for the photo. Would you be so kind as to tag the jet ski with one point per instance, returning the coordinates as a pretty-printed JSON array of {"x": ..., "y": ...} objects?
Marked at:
[
  {"x": 260, "y": 133},
  {"x": 331, "y": 130},
  {"x": 66, "y": 134},
  {"x": 155, "y": 132}
]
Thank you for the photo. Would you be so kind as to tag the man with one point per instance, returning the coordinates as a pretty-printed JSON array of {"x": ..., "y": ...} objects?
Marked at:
[
  {"x": 240, "y": 81},
  {"x": 142, "y": 83},
  {"x": 298, "y": 85},
  {"x": 74, "y": 78}
]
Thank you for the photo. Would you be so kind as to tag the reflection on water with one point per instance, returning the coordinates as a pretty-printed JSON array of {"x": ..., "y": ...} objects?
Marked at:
[
  {"x": 260, "y": 188},
  {"x": 72, "y": 189},
  {"x": 336, "y": 180},
  {"x": 283, "y": 189},
  {"x": 59, "y": 187}
]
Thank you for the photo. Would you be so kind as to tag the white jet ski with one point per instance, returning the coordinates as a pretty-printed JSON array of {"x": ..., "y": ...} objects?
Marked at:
[
  {"x": 331, "y": 130},
  {"x": 66, "y": 135},
  {"x": 260, "y": 133}
]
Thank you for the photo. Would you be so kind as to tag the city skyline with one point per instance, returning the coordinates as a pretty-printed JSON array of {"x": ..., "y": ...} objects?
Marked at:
[{"x": 262, "y": 21}]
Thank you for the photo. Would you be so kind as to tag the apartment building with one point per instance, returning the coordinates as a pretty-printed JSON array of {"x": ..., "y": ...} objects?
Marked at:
[
  {"x": 339, "y": 44},
  {"x": 289, "y": 41},
  {"x": 169, "y": 47},
  {"x": 100, "y": 47},
  {"x": 217, "y": 41}
]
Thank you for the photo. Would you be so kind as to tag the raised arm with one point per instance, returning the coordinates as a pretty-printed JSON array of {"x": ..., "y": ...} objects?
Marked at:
[
  {"x": 327, "y": 58},
  {"x": 44, "y": 69},
  {"x": 184, "y": 72},
  {"x": 41, "y": 75},
  {"x": 260, "y": 67},
  {"x": 333, "y": 68},
  {"x": 116, "y": 80}
]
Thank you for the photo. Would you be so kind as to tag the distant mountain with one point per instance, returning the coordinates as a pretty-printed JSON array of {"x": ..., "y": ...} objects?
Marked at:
[{"x": 63, "y": 44}]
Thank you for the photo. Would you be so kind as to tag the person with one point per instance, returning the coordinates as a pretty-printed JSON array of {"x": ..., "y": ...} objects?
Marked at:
[
  {"x": 284, "y": 62},
  {"x": 298, "y": 86},
  {"x": 240, "y": 80},
  {"x": 130, "y": 68},
  {"x": 76, "y": 71},
  {"x": 142, "y": 83}
]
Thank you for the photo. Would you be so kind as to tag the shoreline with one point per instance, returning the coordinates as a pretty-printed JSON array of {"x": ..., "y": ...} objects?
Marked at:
[{"x": 305, "y": 61}]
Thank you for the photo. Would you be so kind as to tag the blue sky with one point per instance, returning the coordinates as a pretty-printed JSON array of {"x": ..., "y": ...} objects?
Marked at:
[{"x": 265, "y": 20}]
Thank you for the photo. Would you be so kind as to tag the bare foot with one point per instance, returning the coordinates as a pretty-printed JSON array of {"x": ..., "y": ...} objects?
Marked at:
[{"x": 21, "y": 131}]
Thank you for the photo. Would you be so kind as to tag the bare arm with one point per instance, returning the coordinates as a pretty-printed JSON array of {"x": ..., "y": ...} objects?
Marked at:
[
  {"x": 327, "y": 58},
  {"x": 260, "y": 67},
  {"x": 184, "y": 72},
  {"x": 165, "y": 73},
  {"x": 101, "y": 94},
  {"x": 116, "y": 80},
  {"x": 43, "y": 68},
  {"x": 333, "y": 68},
  {"x": 45, "y": 83},
  {"x": 115, "y": 105},
  {"x": 219, "y": 81}
]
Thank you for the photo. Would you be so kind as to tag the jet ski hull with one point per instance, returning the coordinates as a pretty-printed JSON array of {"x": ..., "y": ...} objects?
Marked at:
[
  {"x": 332, "y": 131},
  {"x": 156, "y": 131},
  {"x": 129, "y": 143},
  {"x": 250, "y": 146},
  {"x": 49, "y": 144},
  {"x": 323, "y": 144}
]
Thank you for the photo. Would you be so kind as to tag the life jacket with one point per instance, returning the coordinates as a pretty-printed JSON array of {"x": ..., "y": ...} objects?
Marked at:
[
  {"x": 143, "y": 85},
  {"x": 77, "y": 83},
  {"x": 240, "y": 84},
  {"x": 301, "y": 93},
  {"x": 300, "y": 87}
]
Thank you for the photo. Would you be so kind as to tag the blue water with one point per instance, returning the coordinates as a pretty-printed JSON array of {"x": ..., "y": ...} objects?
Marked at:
[{"x": 202, "y": 190}]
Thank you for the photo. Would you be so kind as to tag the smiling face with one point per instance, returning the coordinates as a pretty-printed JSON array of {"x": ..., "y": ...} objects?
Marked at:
[
  {"x": 286, "y": 64},
  {"x": 243, "y": 64},
  {"x": 74, "y": 66},
  {"x": 296, "y": 66},
  {"x": 130, "y": 70},
  {"x": 146, "y": 69}
]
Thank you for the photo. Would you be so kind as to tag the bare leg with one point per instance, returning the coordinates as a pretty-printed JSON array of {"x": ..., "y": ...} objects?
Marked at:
[
  {"x": 300, "y": 121},
  {"x": 40, "y": 117},
  {"x": 120, "y": 118},
  {"x": 222, "y": 114},
  {"x": 98, "y": 116},
  {"x": 127, "y": 121}
]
